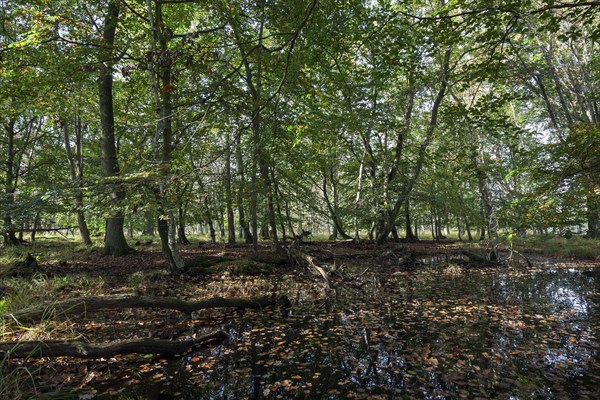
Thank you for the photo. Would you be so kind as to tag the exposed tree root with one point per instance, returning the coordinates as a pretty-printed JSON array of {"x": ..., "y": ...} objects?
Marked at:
[
  {"x": 82, "y": 349},
  {"x": 86, "y": 304}
]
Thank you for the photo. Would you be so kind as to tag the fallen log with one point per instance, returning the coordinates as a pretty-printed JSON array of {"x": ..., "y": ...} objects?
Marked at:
[
  {"x": 302, "y": 258},
  {"x": 82, "y": 349},
  {"x": 529, "y": 264},
  {"x": 480, "y": 259},
  {"x": 93, "y": 303}
]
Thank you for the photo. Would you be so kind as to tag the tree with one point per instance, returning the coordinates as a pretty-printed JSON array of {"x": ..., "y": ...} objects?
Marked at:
[{"x": 114, "y": 241}]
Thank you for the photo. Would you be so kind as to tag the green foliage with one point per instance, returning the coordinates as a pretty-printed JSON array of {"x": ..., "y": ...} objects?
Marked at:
[{"x": 332, "y": 85}]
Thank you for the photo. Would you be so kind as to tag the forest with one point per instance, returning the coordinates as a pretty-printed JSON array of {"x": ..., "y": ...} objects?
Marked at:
[{"x": 299, "y": 199}]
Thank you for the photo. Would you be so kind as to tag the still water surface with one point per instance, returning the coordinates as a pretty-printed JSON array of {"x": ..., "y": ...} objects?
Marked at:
[{"x": 506, "y": 334}]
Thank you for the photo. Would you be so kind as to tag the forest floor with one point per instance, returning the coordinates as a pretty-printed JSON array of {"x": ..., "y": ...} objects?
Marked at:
[{"x": 399, "y": 320}]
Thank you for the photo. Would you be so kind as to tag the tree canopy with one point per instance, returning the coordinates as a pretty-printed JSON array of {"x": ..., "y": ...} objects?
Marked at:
[{"x": 266, "y": 119}]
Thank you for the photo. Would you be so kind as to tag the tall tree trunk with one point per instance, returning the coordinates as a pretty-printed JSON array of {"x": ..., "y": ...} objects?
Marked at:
[
  {"x": 228, "y": 193},
  {"x": 407, "y": 189},
  {"x": 10, "y": 236},
  {"x": 487, "y": 209},
  {"x": 161, "y": 66},
  {"x": 357, "y": 199},
  {"x": 260, "y": 162},
  {"x": 241, "y": 194},
  {"x": 76, "y": 173},
  {"x": 432, "y": 222},
  {"x": 114, "y": 240}
]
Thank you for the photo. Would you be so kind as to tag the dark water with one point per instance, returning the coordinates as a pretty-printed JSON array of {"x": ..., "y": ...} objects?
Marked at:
[{"x": 502, "y": 334}]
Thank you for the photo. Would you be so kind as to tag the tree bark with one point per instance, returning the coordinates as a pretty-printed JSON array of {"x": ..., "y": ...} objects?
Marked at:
[{"x": 114, "y": 240}]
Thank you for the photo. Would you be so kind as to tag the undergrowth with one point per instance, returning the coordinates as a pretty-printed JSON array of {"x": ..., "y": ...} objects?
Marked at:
[{"x": 575, "y": 247}]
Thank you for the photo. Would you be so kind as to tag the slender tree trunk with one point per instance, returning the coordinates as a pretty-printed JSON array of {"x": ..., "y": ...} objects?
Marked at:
[
  {"x": 407, "y": 189},
  {"x": 228, "y": 193},
  {"x": 10, "y": 236},
  {"x": 181, "y": 236},
  {"x": 333, "y": 207},
  {"x": 408, "y": 229},
  {"x": 114, "y": 240},
  {"x": 76, "y": 173},
  {"x": 278, "y": 200},
  {"x": 432, "y": 222},
  {"x": 357, "y": 199},
  {"x": 468, "y": 229},
  {"x": 241, "y": 193},
  {"x": 160, "y": 65},
  {"x": 148, "y": 224},
  {"x": 36, "y": 225},
  {"x": 416, "y": 231},
  {"x": 593, "y": 215},
  {"x": 212, "y": 231}
]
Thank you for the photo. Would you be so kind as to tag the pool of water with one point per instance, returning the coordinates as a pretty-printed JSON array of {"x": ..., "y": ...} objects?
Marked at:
[{"x": 428, "y": 334}]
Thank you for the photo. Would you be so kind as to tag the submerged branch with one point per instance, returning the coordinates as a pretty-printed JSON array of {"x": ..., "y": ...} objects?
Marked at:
[
  {"x": 94, "y": 303},
  {"x": 82, "y": 349}
]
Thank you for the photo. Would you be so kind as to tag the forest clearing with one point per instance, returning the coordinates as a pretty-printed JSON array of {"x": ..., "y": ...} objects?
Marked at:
[{"x": 319, "y": 199}]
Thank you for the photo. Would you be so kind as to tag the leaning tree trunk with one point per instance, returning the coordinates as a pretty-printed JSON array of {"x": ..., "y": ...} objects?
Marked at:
[
  {"x": 407, "y": 189},
  {"x": 114, "y": 241}
]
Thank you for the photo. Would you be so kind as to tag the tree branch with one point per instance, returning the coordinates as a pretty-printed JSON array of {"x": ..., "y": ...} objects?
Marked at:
[
  {"x": 93, "y": 303},
  {"x": 82, "y": 349}
]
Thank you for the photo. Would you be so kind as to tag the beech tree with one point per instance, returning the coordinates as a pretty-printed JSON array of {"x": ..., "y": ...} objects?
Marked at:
[{"x": 265, "y": 119}]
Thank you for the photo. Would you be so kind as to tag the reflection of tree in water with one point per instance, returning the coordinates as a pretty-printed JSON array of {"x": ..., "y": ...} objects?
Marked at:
[{"x": 481, "y": 334}]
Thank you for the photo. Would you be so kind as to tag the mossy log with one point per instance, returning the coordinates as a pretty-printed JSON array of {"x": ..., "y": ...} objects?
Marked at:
[
  {"x": 82, "y": 349},
  {"x": 94, "y": 303}
]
